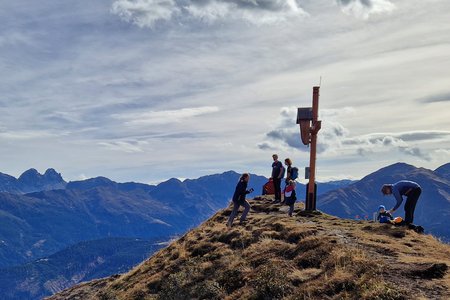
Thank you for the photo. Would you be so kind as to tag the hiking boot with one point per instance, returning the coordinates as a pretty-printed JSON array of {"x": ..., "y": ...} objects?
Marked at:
[{"x": 419, "y": 229}]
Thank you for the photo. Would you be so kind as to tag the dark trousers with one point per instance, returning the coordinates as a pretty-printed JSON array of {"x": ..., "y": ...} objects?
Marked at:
[
  {"x": 291, "y": 209},
  {"x": 410, "y": 205},
  {"x": 277, "y": 186}
]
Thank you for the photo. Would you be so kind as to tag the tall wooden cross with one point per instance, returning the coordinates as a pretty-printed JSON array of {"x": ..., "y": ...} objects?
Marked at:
[{"x": 307, "y": 118}]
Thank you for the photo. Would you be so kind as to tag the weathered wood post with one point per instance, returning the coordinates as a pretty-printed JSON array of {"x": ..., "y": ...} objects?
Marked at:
[{"x": 307, "y": 118}]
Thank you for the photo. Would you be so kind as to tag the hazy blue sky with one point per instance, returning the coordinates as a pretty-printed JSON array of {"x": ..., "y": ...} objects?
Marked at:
[{"x": 145, "y": 90}]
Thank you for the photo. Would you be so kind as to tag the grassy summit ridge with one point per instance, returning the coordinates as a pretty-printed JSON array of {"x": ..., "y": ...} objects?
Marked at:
[{"x": 308, "y": 256}]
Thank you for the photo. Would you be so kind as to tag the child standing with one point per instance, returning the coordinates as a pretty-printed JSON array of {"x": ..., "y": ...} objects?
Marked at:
[{"x": 290, "y": 196}]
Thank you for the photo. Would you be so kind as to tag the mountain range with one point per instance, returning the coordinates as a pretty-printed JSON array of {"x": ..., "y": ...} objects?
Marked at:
[
  {"x": 60, "y": 214},
  {"x": 56, "y": 215},
  {"x": 39, "y": 228},
  {"x": 364, "y": 196},
  {"x": 82, "y": 261}
]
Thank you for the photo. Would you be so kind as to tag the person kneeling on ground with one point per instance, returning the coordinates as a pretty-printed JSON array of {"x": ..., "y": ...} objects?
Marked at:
[
  {"x": 383, "y": 215},
  {"x": 290, "y": 196},
  {"x": 239, "y": 199}
]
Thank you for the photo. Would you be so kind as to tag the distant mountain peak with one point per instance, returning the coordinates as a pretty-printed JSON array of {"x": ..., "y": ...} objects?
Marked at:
[
  {"x": 231, "y": 172},
  {"x": 29, "y": 173},
  {"x": 91, "y": 183},
  {"x": 50, "y": 172},
  {"x": 100, "y": 179},
  {"x": 443, "y": 171},
  {"x": 31, "y": 180},
  {"x": 400, "y": 166},
  {"x": 444, "y": 166},
  {"x": 174, "y": 180}
]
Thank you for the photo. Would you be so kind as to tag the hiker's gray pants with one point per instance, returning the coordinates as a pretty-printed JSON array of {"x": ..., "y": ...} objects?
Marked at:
[{"x": 246, "y": 206}]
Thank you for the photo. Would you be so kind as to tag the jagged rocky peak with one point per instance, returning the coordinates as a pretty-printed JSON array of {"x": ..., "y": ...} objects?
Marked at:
[
  {"x": 31, "y": 180},
  {"x": 30, "y": 174},
  {"x": 33, "y": 175},
  {"x": 51, "y": 174}
]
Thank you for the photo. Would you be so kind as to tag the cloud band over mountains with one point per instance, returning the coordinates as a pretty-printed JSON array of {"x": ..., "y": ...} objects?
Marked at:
[
  {"x": 146, "y": 13},
  {"x": 334, "y": 137}
]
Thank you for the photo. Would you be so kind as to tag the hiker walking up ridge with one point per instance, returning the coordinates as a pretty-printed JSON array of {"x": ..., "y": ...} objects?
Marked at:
[{"x": 239, "y": 199}]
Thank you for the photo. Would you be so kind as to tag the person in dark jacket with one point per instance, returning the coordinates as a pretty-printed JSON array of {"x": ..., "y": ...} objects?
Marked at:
[
  {"x": 288, "y": 163},
  {"x": 239, "y": 199},
  {"x": 411, "y": 190},
  {"x": 277, "y": 175}
]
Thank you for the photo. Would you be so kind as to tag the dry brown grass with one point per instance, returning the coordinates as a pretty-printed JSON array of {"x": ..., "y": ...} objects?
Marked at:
[{"x": 309, "y": 256}]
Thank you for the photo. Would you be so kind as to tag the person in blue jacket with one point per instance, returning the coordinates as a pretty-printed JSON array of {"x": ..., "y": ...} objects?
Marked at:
[
  {"x": 411, "y": 190},
  {"x": 383, "y": 215},
  {"x": 239, "y": 199}
]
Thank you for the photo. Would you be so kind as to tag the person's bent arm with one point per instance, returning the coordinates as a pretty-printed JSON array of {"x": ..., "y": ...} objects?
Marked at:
[{"x": 398, "y": 197}]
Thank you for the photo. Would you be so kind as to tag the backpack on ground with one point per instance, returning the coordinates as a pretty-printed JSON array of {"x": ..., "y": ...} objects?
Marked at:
[{"x": 269, "y": 188}]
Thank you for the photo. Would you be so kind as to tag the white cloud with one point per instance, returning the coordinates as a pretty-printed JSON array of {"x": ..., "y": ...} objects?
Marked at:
[
  {"x": 82, "y": 177},
  {"x": 28, "y": 134},
  {"x": 145, "y": 13},
  {"x": 125, "y": 146},
  {"x": 256, "y": 11},
  {"x": 164, "y": 116},
  {"x": 334, "y": 139},
  {"x": 411, "y": 143},
  {"x": 415, "y": 151},
  {"x": 365, "y": 8},
  {"x": 329, "y": 138}
]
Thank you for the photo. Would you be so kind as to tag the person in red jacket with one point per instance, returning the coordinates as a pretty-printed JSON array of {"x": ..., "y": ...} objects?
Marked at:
[{"x": 290, "y": 196}]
